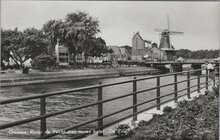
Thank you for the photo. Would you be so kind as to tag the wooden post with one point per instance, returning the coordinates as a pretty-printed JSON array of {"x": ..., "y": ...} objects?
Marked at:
[
  {"x": 188, "y": 84},
  {"x": 100, "y": 111},
  {"x": 134, "y": 99},
  {"x": 214, "y": 78},
  {"x": 175, "y": 88},
  {"x": 43, "y": 123},
  {"x": 158, "y": 93},
  {"x": 198, "y": 84},
  {"x": 207, "y": 78}
]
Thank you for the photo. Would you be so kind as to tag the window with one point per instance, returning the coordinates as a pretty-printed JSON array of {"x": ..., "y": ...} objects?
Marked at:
[{"x": 63, "y": 60}]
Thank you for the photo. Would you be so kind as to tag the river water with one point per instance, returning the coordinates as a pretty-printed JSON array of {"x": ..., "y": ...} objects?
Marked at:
[{"x": 26, "y": 109}]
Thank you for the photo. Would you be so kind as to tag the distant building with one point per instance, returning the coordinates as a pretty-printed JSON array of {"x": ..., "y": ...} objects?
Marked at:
[
  {"x": 144, "y": 50},
  {"x": 62, "y": 54},
  {"x": 140, "y": 47},
  {"x": 64, "y": 57}
]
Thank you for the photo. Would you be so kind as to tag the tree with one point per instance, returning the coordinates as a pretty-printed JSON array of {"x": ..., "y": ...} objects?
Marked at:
[
  {"x": 99, "y": 47},
  {"x": 185, "y": 53},
  {"x": 6, "y": 36},
  {"x": 21, "y": 46},
  {"x": 95, "y": 47},
  {"x": 128, "y": 48},
  {"x": 52, "y": 32},
  {"x": 77, "y": 30}
]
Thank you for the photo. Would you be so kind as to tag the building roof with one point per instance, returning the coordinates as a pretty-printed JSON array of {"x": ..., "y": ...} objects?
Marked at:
[{"x": 147, "y": 41}]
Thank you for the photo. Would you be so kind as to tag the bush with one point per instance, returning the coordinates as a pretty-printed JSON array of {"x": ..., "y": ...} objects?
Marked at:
[
  {"x": 167, "y": 109},
  {"x": 123, "y": 130},
  {"x": 196, "y": 119},
  {"x": 45, "y": 62}
]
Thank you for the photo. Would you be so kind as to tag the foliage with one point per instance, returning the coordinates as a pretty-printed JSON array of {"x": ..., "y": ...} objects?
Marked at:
[
  {"x": 167, "y": 109},
  {"x": 99, "y": 48},
  {"x": 199, "y": 54},
  {"x": 123, "y": 130},
  {"x": 6, "y": 36},
  {"x": 196, "y": 119},
  {"x": 78, "y": 29},
  {"x": 21, "y": 46},
  {"x": 45, "y": 62},
  {"x": 52, "y": 32},
  {"x": 129, "y": 48}
]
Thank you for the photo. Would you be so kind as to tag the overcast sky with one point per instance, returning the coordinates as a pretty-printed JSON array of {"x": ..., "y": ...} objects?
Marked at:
[{"x": 200, "y": 21}]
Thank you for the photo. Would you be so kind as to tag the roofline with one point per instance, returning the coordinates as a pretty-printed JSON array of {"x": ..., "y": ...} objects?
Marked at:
[{"x": 139, "y": 35}]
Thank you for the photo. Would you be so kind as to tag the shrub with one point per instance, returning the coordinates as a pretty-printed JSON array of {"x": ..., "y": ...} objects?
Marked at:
[
  {"x": 45, "y": 62},
  {"x": 167, "y": 109},
  {"x": 123, "y": 130},
  {"x": 196, "y": 119}
]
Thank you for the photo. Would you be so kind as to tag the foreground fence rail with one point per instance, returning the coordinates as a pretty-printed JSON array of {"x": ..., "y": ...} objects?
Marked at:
[{"x": 100, "y": 116}]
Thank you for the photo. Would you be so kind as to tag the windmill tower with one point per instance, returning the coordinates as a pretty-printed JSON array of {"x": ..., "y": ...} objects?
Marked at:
[{"x": 165, "y": 43}]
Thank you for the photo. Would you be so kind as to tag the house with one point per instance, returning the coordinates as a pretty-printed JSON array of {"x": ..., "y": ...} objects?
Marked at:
[
  {"x": 140, "y": 47},
  {"x": 64, "y": 57}
]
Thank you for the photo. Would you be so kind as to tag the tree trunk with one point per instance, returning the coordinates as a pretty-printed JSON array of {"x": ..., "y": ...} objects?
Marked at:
[
  {"x": 86, "y": 57},
  {"x": 50, "y": 49},
  {"x": 25, "y": 70},
  {"x": 74, "y": 60}
]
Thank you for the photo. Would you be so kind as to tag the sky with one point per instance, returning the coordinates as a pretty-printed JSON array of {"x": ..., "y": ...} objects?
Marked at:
[{"x": 119, "y": 20}]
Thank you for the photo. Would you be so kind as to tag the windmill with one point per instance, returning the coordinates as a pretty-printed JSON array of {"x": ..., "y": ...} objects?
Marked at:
[
  {"x": 165, "y": 36},
  {"x": 165, "y": 43}
]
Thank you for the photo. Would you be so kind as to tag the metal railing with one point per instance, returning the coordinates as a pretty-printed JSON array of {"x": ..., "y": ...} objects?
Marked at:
[{"x": 43, "y": 115}]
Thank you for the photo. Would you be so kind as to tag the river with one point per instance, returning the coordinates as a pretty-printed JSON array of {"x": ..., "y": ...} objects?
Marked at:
[{"x": 27, "y": 109}]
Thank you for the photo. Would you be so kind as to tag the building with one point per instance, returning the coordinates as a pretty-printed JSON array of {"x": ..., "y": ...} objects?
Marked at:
[
  {"x": 144, "y": 50},
  {"x": 62, "y": 55},
  {"x": 140, "y": 47},
  {"x": 65, "y": 58}
]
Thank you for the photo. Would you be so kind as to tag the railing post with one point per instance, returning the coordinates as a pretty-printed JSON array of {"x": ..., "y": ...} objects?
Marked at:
[
  {"x": 188, "y": 84},
  {"x": 214, "y": 78},
  {"x": 207, "y": 78},
  {"x": 198, "y": 84},
  {"x": 158, "y": 93},
  {"x": 100, "y": 110},
  {"x": 175, "y": 88},
  {"x": 134, "y": 99},
  {"x": 43, "y": 123}
]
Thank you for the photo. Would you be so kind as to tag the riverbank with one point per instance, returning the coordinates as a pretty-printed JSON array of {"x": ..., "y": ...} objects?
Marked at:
[
  {"x": 16, "y": 78},
  {"x": 196, "y": 119},
  {"x": 147, "y": 116}
]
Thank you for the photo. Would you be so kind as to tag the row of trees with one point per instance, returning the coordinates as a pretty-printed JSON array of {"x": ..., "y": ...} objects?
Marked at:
[
  {"x": 199, "y": 54},
  {"x": 77, "y": 31}
]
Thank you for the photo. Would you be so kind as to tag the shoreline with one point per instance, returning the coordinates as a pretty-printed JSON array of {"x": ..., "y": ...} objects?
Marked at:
[{"x": 74, "y": 75}]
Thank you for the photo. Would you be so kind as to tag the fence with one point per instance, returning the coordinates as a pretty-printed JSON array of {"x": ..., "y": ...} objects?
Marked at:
[{"x": 43, "y": 115}]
